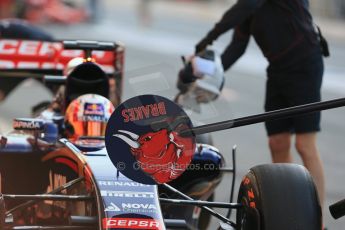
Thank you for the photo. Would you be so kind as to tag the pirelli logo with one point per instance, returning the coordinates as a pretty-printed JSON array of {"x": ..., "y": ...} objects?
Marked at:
[
  {"x": 131, "y": 223},
  {"x": 128, "y": 194}
]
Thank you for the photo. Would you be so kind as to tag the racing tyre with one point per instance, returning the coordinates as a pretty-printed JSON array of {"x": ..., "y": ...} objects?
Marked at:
[{"x": 278, "y": 196}]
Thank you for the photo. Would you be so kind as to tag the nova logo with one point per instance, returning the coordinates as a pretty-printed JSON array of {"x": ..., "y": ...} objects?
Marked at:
[
  {"x": 138, "y": 206},
  {"x": 112, "y": 208},
  {"x": 128, "y": 207},
  {"x": 127, "y": 194}
]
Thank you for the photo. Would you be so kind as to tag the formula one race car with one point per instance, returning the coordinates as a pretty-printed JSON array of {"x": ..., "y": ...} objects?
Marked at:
[{"x": 55, "y": 172}]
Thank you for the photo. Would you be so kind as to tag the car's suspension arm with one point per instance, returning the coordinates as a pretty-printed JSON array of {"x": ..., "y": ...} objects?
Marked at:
[
  {"x": 48, "y": 197},
  {"x": 57, "y": 190}
]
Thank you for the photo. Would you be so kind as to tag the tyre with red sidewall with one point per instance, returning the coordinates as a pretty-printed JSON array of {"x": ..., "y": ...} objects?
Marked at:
[{"x": 278, "y": 196}]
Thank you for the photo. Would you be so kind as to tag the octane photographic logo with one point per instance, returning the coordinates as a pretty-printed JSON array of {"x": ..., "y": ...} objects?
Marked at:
[{"x": 143, "y": 141}]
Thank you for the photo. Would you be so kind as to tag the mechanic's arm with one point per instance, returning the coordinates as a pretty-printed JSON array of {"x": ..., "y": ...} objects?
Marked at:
[
  {"x": 231, "y": 18},
  {"x": 237, "y": 46}
]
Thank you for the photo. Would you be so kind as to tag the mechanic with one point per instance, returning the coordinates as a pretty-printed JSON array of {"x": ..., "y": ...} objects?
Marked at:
[{"x": 285, "y": 33}]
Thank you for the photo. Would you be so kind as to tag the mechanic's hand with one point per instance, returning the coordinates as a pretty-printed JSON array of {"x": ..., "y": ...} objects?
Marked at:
[
  {"x": 186, "y": 74},
  {"x": 202, "y": 45},
  {"x": 185, "y": 78}
]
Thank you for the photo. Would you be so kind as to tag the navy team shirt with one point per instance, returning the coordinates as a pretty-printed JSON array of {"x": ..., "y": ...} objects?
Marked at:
[{"x": 283, "y": 29}]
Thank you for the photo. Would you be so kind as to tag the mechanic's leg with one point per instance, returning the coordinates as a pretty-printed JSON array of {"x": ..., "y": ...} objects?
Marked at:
[
  {"x": 280, "y": 147},
  {"x": 306, "y": 147}
]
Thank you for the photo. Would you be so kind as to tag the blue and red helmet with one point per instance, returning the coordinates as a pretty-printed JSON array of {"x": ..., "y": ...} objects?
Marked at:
[{"x": 88, "y": 116}]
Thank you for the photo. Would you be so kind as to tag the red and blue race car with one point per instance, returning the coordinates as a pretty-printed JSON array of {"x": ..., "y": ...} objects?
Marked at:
[{"x": 49, "y": 180}]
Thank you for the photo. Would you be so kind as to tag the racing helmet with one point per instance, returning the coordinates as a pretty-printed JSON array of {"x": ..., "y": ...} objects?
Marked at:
[
  {"x": 88, "y": 116},
  {"x": 202, "y": 76}
]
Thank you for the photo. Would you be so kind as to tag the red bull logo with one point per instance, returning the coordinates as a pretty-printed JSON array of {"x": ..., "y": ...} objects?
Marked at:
[{"x": 93, "y": 109}]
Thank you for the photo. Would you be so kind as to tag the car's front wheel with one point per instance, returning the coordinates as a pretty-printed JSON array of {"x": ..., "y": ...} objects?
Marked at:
[{"x": 278, "y": 196}]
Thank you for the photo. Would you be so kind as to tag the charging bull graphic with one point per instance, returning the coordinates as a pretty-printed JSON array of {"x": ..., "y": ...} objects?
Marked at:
[
  {"x": 162, "y": 154},
  {"x": 143, "y": 141}
]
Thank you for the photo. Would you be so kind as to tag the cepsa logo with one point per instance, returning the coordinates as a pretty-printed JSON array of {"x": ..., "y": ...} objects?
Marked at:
[
  {"x": 131, "y": 223},
  {"x": 24, "y": 54},
  {"x": 29, "y": 48}
]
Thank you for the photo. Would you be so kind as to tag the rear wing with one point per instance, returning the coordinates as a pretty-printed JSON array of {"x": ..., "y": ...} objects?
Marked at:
[
  {"x": 43, "y": 56},
  {"x": 34, "y": 59}
]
